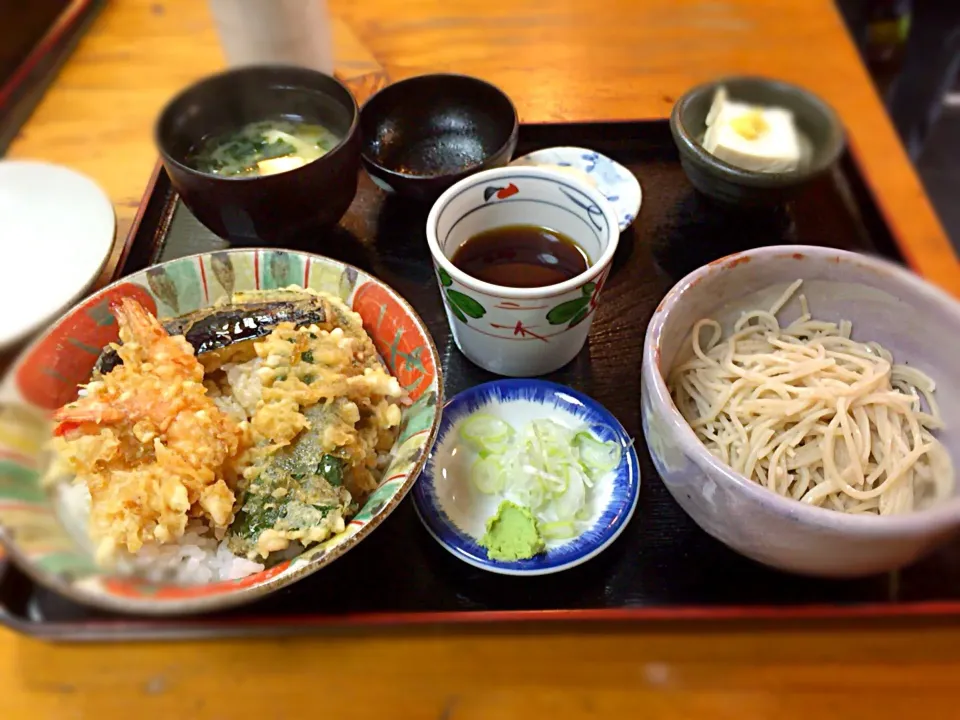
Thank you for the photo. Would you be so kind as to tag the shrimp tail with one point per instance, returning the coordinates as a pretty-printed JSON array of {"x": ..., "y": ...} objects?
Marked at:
[
  {"x": 72, "y": 416},
  {"x": 137, "y": 322}
]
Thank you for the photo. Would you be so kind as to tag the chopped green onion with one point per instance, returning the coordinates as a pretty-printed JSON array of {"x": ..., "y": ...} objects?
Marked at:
[
  {"x": 601, "y": 457},
  {"x": 487, "y": 474},
  {"x": 545, "y": 466},
  {"x": 486, "y": 432}
]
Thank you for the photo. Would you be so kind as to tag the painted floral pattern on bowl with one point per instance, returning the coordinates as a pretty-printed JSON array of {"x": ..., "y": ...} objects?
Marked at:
[{"x": 46, "y": 376}]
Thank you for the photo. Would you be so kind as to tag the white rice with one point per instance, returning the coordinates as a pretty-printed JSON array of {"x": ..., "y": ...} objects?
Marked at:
[
  {"x": 245, "y": 390},
  {"x": 245, "y": 386},
  {"x": 196, "y": 559}
]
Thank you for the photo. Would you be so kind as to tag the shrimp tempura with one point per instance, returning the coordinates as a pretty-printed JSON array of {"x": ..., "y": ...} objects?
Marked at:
[{"x": 152, "y": 448}]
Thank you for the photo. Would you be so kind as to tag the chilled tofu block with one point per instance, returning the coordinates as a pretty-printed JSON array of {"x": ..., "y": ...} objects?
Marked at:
[
  {"x": 272, "y": 166},
  {"x": 754, "y": 138}
]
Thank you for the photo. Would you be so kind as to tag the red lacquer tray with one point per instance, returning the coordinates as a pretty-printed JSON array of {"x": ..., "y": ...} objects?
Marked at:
[{"x": 663, "y": 567}]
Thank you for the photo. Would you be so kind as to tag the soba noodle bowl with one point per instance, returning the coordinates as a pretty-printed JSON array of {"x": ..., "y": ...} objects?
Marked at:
[{"x": 812, "y": 414}]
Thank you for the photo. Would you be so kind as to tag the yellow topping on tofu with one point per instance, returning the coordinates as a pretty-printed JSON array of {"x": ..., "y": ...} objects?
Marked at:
[{"x": 750, "y": 126}]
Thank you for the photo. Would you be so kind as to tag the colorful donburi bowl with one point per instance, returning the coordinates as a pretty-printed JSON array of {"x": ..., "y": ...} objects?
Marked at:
[
  {"x": 455, "y": 512},
  {"x": 521, "y": 331},
  {"x": 615, "y": 182},
  {"x": 46, "y": 375}
]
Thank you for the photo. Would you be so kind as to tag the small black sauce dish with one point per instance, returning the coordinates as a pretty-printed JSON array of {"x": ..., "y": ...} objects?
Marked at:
[
  {"x": 274, "y": 209},
  {"x": 819, "y": 126},
  {"x": 423, "y": 134}
]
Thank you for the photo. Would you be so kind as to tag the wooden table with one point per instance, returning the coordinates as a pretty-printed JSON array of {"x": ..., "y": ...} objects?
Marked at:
[{"x": 565, "y": 60}]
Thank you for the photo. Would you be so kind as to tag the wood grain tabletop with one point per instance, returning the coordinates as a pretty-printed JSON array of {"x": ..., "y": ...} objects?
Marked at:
[{"x": 563, "y": 60}]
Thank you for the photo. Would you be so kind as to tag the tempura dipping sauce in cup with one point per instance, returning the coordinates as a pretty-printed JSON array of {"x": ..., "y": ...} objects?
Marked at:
[{"x": 521, "y": 255}]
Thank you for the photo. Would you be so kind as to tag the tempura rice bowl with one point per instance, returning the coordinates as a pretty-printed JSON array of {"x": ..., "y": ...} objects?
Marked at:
[{"x": 44, "y": 530}]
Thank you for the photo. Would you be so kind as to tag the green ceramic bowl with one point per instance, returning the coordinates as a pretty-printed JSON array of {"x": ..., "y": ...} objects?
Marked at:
[
  {"x": 46, "y": 375},
  {"x": 818, "y": 124}
]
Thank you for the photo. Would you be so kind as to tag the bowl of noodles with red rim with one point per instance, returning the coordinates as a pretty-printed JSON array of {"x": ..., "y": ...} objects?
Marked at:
[{"x": 212, "y": 429}]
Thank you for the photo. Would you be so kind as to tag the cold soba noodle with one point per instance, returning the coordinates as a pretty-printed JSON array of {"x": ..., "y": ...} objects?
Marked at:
[{"x": 813, "y": 415}]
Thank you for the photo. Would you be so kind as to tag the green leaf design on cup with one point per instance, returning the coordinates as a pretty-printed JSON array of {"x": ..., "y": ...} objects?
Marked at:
[
  {"x": 573, "y": 311},
  {"x": 462, "y": 306},
  {"x": 459, "y": 315},
  {"x": 465, "y": 304},
  {"x": 567, "y": 311},
  {"x": 580, "y": 317}
]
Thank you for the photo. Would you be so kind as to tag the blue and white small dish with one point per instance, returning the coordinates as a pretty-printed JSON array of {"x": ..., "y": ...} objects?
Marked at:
[
  {"x": 455, "y": 512},
  {"x": 613, "y": 180}
]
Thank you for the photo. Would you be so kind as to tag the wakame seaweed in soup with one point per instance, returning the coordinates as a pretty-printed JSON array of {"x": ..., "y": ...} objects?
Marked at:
[{"x": 263, "y": 148}]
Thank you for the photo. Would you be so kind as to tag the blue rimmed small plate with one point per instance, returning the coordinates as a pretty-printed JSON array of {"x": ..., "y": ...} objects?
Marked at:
[
  {"x": 455, "y": 512},
  {"x": 613, "y": 180}
]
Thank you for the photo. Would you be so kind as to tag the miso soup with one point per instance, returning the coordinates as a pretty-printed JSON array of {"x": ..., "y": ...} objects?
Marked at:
[{"x": 263, "y": 148}]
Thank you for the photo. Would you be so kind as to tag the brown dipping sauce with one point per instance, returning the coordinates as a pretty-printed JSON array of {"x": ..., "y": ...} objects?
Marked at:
[{"x": 521, "y": 256}]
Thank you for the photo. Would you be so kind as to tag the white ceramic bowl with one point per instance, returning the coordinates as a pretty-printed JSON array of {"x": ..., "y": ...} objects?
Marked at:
[
  {"x": 62, "y": 224},
  {"x": 521, "y": 331},
  {"x": 918, "y": 323}
]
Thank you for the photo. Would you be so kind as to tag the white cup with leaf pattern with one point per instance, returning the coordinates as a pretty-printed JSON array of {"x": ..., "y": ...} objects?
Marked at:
[{"x": 521, "y": 332}]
